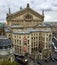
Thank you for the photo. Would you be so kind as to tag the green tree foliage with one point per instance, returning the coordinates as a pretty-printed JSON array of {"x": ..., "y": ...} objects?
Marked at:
[{"x": 8, "y": 63}]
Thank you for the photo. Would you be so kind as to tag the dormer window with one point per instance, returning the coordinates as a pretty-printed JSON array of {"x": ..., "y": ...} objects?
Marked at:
[{"x": 28, "y": 17}]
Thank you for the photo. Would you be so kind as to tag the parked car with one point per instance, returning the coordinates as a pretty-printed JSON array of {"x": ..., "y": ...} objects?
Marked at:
[
  {"x": 55, "y": 58},
  {"x": 52, "y": 59},
  {"x": 22, "y": 60},
  {"x": 39, "y": 62}
]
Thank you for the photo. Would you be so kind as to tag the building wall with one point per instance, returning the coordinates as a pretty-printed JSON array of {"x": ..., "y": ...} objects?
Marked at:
[
  {"x": 1, "y": 32},
  {"x": 21, "y": 20},
  {"x": 34, "y": 41},
  {"x": 19, "y": 43},
  {"x": 8, "y": 35}
]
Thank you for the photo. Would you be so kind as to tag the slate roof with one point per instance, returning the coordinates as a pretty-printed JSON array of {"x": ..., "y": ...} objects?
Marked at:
[
  {"x": 7, "y": 30},
  {"x": 5, "y": 41},
  {"x": 30, "y": 30}
]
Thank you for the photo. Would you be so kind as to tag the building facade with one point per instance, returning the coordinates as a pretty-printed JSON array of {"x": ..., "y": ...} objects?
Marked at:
[
  {"x": 6, "y": 49},
  {"x": 2, "y": 32},
  {"x": 28, "y": 33}
]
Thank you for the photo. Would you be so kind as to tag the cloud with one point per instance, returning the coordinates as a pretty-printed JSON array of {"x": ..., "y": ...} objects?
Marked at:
[
  {"x": 47, "y": 17},
  {"x": 47, "y": 5},
  {"x": 2, "y": 2},
  {"x": 51, "y": 16}
]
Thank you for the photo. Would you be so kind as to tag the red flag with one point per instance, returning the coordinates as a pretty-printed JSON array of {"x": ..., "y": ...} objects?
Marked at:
[
  {"x": 25, "y": 49},
  {"x": 24, "y": 39}
]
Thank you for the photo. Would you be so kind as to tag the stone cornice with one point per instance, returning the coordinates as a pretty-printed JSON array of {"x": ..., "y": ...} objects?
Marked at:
[{"x": 21, "y": 20}]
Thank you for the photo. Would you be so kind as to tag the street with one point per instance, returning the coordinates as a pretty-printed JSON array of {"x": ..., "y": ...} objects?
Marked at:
[{"x": 42, "y": 62}]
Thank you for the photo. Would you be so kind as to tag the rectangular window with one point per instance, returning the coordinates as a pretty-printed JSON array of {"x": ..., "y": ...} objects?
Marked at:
[
  {"x": 20, "y": 37},
  {"x": 31, "y": 37},
  {"x": 28, "y": 41},
  {"x": 36, "y": 37},
  {"x": 46, "y": 39},
  {"x": 15, "y": 41},
  {"x": 20, "y": 41},
  {"x": 15, "y": 36},
  {"x": 47, "y": 34},
  {"x": 28, "y": 36}
]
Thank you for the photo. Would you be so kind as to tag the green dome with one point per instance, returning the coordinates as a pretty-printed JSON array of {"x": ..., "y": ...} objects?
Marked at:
[{"x": 1, "y": 25}]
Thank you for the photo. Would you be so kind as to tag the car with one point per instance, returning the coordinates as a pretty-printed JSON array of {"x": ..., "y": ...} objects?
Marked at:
[
  {"x": 55, "y": 58},
  {"x": 47, "y": 59},
  {"x": 22, "y": 60},
  {"x": 15, "y": 55},
  {"x": 39, "y": 62}
]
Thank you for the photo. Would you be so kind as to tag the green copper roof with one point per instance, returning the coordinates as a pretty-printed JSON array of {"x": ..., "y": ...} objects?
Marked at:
[{"x": 1, "y": 25}]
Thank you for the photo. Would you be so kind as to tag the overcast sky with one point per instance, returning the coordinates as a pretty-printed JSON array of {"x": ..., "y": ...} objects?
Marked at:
[{"x": 50, "y": 7}]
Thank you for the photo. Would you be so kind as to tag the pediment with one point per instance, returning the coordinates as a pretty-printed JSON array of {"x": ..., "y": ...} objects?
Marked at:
[
  {"x": 26, "y": 16},
  {"x": 20, "y": 14}
]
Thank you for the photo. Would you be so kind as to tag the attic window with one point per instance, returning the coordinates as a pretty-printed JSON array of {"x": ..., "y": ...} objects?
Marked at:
[{"x": 28, "y": 17}]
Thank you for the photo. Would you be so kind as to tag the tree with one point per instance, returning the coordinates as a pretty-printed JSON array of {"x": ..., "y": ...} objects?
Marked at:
[{"x": 6, "y": 62}]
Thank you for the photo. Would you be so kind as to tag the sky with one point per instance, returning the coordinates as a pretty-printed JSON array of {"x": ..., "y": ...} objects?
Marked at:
[{"x": 49, "y": 7}]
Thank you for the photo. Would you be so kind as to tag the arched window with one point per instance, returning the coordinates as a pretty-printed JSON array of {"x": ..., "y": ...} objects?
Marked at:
[{"x": 28, "y": 17}]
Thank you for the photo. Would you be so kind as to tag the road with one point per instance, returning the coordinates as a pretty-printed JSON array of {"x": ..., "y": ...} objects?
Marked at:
[
  {"x": 32, "y": 61},
  {"x": 42, "y": 62}
]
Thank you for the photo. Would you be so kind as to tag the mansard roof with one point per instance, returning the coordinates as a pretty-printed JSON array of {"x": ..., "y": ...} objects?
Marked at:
[{"x": 4, "y": 41}]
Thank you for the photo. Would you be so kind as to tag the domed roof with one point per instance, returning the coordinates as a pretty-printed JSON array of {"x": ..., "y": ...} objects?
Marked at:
[{"x": 1, "y": 25}]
